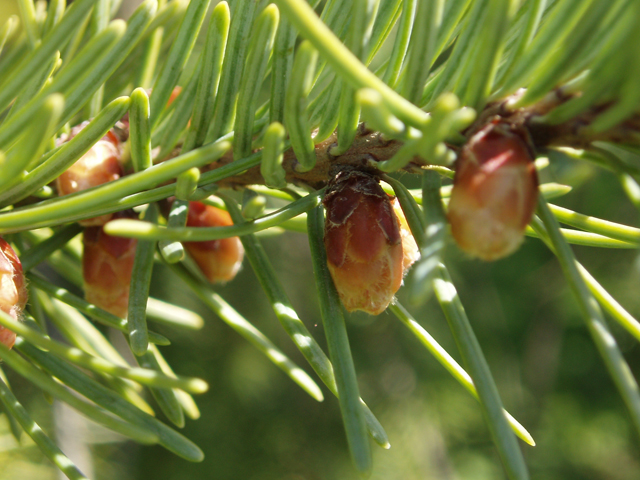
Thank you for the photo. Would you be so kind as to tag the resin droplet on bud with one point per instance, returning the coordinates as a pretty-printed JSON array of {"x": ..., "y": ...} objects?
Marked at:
[
  {"x": 495, "y": 191},
  {"x": 410, "y": 251},
  {"x": 101, "y": 164},
  {"x": 13, "y": 291},
  {"x": 363, "y": 241},
  {"x": 219, "y": 260},
  {"x": 107, "y": 263}
]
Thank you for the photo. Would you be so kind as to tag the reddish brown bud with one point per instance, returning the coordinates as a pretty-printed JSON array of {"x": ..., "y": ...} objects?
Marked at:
[
  {"x": 219, "y": 260},
  {"x": 101, "y": 164},
  {"x": 363, "y": 242},
  {"x": 13, "y": 291},
  {"x": 495, "y": 191},
  {"x": 107, "y": 263}
]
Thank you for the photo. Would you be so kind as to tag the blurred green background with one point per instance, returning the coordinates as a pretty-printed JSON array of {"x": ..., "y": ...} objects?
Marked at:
[
  {"x": 257, "y": 425},
  {"x": 7, "y": 8}
]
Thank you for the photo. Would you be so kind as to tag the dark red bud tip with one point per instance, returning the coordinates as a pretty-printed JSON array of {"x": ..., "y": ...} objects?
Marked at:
[
  {"x": 13, "y": 291},
  {"x": 495, "y": 191},
  {"x": 363, "y": 241},
  {"x": 107, "y": 263},
  {"x": 219, "y": 260}
]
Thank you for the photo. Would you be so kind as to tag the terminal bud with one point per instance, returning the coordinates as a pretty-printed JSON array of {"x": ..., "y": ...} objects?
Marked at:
[
  {"x": 219, "y": 260},
  {"x": 363, "y": 241},
  {"x": 495, "y": 190},
  {"x": 101, "y": 164},
  {"x": 107, "y": 263}
]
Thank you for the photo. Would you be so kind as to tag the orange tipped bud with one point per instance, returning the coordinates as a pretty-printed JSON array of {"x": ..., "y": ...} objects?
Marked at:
[
  {"x": 107, "y": 263},
  {"x": 101, "y": 164},
  {"x": 13, "y": 291},
  {"x": 495, "y": 191},
  {"x": 219, "y": 260},
  {"x": 363, "y": 241}
]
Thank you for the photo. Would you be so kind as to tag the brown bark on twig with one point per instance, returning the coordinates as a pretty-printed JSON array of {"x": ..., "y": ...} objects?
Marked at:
[
  {"x": 575, "y": 133},
  {"x": 370, "y": 147}
]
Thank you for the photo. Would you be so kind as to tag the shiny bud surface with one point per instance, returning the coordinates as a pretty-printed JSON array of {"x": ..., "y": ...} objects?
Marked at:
[
  {"x": 219, "y": 260},
  {"x": 495, "y": 190},
  {"x": 13, "y": 291},
  {"x": 107, "y": 263},
  {"x": 363, "y": 242},
  {"x": 101, "y": 164}
]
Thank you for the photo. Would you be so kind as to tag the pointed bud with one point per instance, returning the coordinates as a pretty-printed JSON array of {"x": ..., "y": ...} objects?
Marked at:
[
  {"x": 495, "y": 191},
  {"x": 107, "y": 263},
  {"x": 13, "y": 291},
  {"x": 219, "y": 260},
  {"x": 101, "y": 164},
  {"x": 363, "y": 242}
]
